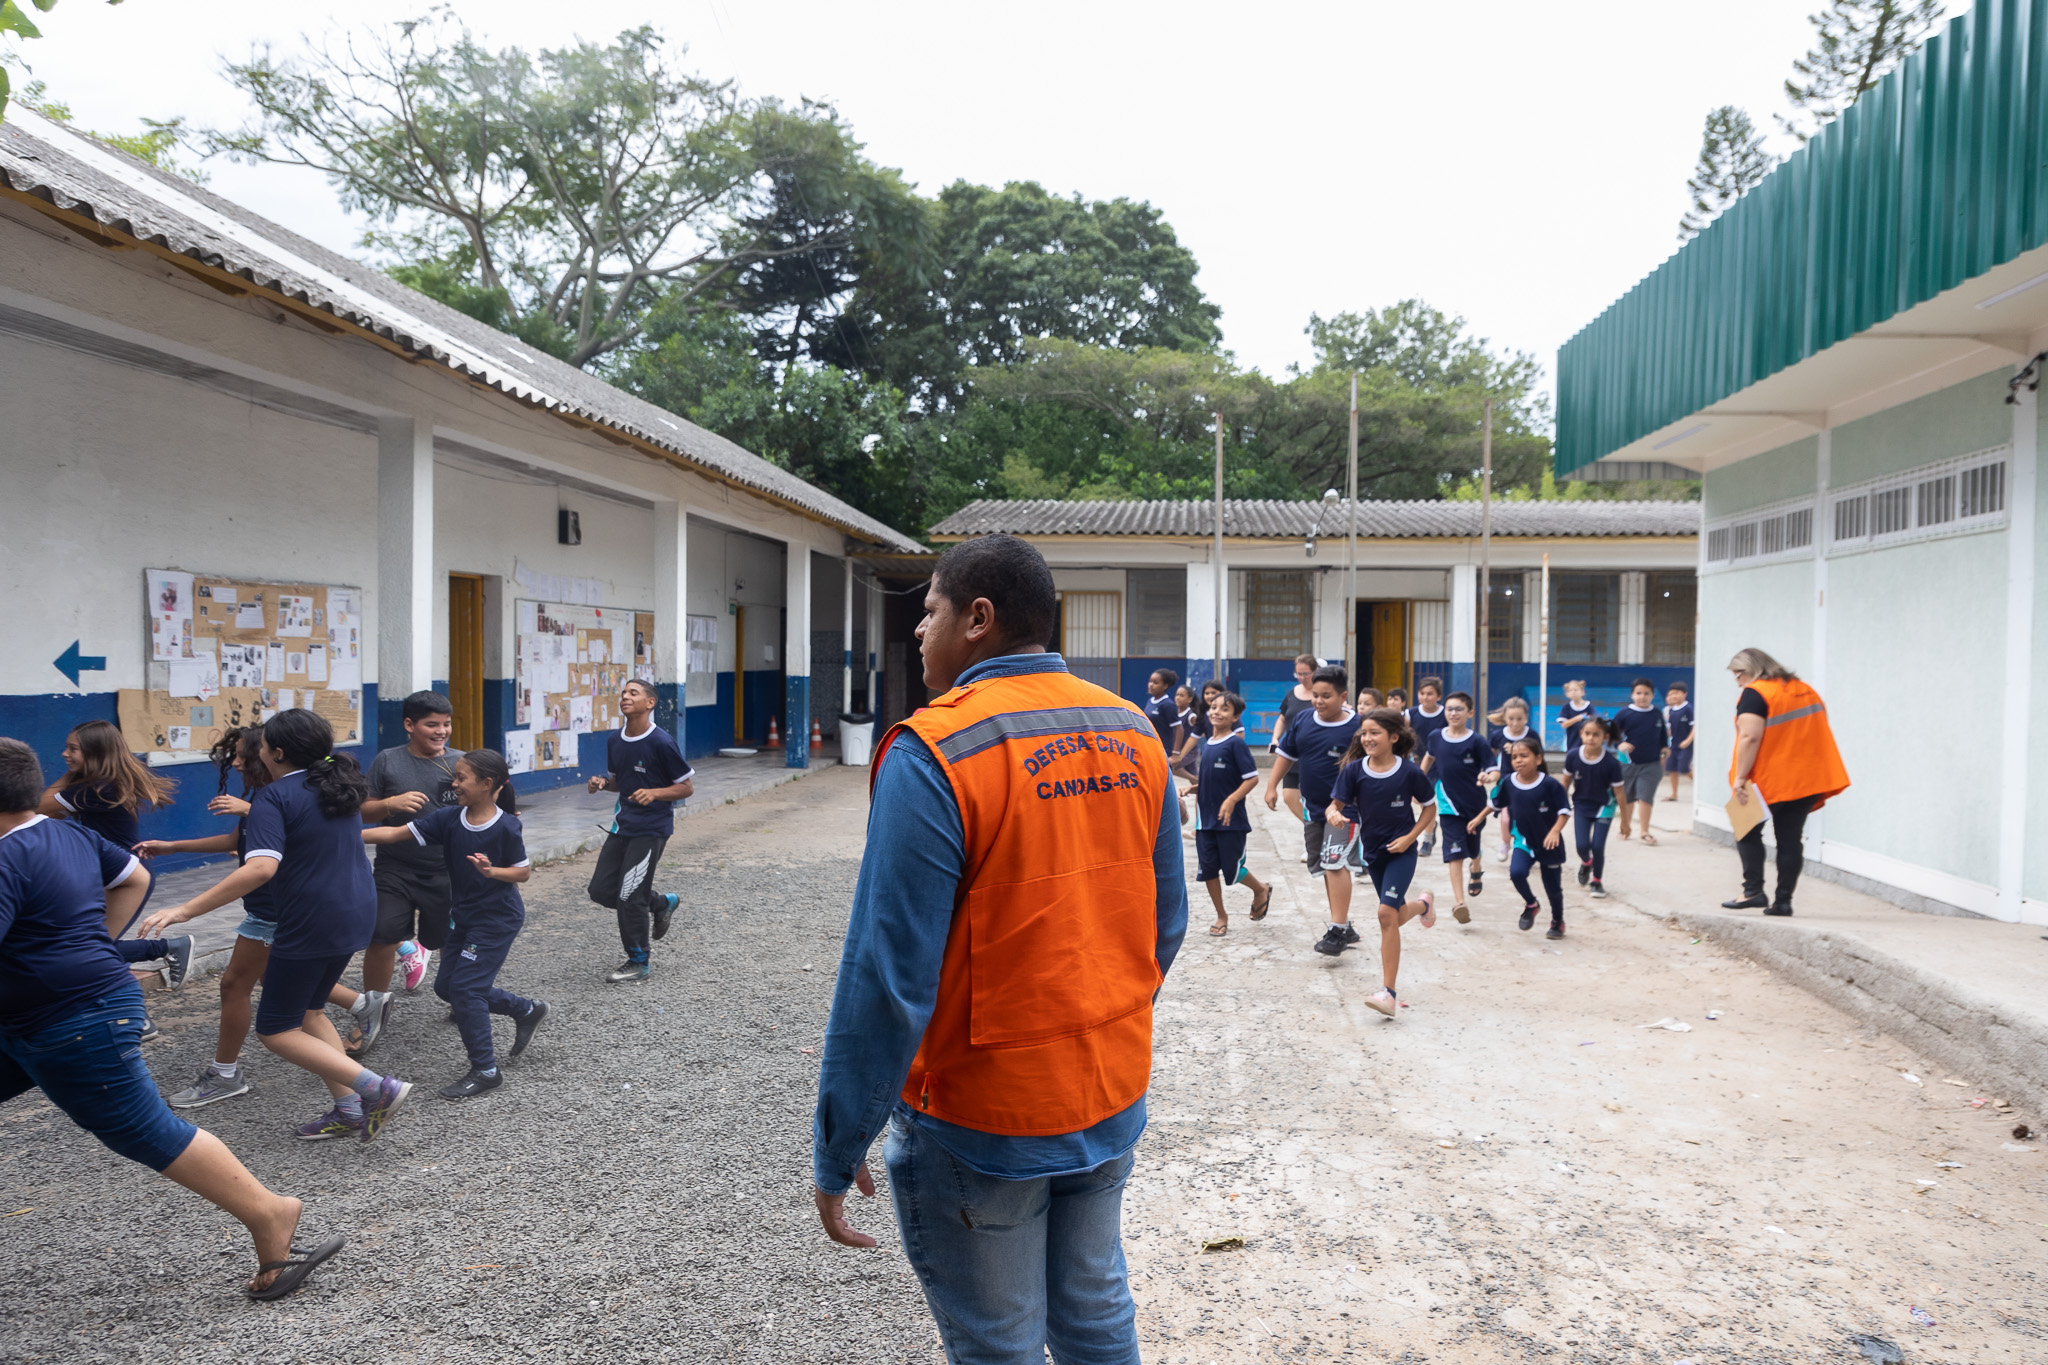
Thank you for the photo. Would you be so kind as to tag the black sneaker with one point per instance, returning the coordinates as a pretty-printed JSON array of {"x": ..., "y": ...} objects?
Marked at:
[
  {"x": 1585, "y": 873},
  {"x": 1599, "y": 892},
  {"x": 1333, "y": 941},
  {"x": 629, "y": 971},
  {"x": 1556, "y": 929},
  {"x": 664, "y": 911},
  {"x": 1350, "y": 935},
  {"x": 1528, "y": 919},
  {"x": 150, "y": 1032},
  {"x": 474, "y": 1084},
  {"x": 178, "y": 962},
  {"x": 522, "y": 1029}
]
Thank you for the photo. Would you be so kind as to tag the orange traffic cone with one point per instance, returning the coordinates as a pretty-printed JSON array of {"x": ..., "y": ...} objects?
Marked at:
[
  {"x": 774, "y": 735},
  {"x": 817, "y": 737}
]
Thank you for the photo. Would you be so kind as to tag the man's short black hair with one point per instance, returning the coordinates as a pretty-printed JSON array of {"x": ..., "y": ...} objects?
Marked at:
[
  {"x": 21, "y": 778},
  {"x": 1642, "y": 682},
  {"x": 420, "y": 705},
  {"x": 1012, "y": 575},
  {"x": 1331, "y": 674}
]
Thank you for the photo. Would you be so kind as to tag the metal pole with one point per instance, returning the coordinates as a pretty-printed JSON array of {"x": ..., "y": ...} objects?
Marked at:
[
  {"x": 1217, "y": 553},
  {"x": 1543, "y": 659},
  {"x": 1351, "y": 661},
  {"x": 1485, "y": 557}
]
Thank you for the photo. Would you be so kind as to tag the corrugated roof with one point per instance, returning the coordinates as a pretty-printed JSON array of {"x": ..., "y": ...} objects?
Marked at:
[
  {"x": 1261, "y": 519},
  {"x": 76, "y": 174}
]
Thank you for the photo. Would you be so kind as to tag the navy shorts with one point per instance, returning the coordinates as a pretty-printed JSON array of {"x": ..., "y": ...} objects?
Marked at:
[
  {"x": 292, "y": 986},
  {"x": 1678, "y": 760},
  {"x": 90, "y": 1066},
  {"x": 1459, "y": 844},
  {"x": 1220, "y": 853},
  {"x": 1390, "y": 872}
]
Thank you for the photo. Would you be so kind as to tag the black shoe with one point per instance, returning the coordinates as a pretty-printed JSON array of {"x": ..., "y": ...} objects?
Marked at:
[
  {"x": 664, "y": 911},
  {"x": 1754, "y": 902},
  {"x": 1599, "y": 892},
  {"x": 630, "y": 971},
  {"x": 1350, "y": 936},
  {"x": 1333, "y": 941},
  {"x": 474, "y": 1084},
  {"x": 1556, "y": 929},
  {"x": 522, "y": 1029},
  {"x": 1585, "y": 873},
  {"x": 1781, "y": 908},
  {"x": 150, "y": 1032},
  {"x": 178, "y": 963},
  {"x": 1478, "y": 882},
  {"x": 1528, "y": 919}
]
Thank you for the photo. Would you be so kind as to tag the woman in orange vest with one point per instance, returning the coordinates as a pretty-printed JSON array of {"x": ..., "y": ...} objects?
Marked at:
[{"x": 1786, "y": 754}]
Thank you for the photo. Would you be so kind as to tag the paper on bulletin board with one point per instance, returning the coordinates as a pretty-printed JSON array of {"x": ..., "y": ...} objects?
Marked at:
[
  {"x": 170, "y": 614},
  {"x": 579, "y": 715}
]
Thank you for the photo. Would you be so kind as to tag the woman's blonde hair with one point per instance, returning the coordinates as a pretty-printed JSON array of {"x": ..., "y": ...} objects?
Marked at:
[{"x": 1754, "y": 663}]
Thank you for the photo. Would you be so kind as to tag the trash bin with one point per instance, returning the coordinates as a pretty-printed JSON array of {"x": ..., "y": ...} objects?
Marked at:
[{"x": 856, "y": 738}]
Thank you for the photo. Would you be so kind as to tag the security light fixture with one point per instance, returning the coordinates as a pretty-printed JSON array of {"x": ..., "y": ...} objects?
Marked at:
[{"x": 1330, "y": 496}]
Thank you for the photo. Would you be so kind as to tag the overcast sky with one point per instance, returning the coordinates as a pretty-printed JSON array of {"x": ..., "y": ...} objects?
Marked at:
[{"x": 1519, "y": 164}]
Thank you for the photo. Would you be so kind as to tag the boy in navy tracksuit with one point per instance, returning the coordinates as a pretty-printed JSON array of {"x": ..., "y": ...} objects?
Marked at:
[
  {"x": 1225, "y": 774},
  {"x": 650, "y": 775}
]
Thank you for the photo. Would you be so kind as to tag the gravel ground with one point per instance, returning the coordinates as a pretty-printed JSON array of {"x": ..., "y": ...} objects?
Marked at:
[{"x": 638, "y": 1190}]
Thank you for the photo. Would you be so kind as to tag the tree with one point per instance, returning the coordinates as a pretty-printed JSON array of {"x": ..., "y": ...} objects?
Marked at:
[
  {"x": 1429, "y": 351},
  {"x": 156, "y": 143},
  {"x": 564, "y": 193},
  {"x": 1732, "y": 163},
  {"x": 1856, "y": 42}
]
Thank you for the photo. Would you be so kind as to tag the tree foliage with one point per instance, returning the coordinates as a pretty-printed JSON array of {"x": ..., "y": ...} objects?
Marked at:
[
  {"x": 1855, "y": 43},
  {"x": 1733, "y": 161}
]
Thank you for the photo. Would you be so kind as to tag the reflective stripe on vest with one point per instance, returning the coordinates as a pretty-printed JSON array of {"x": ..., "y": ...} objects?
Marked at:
[
  {"x": 1797, "y": 755},
  {"x": 1801, "y": 713},
  {"x": 1043, "y": 1018}
]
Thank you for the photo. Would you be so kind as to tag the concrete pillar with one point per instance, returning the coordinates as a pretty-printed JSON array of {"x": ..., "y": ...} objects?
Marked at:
[
  {"x": 846, "y": 640},
  {"x": 2017, "y": 705},
  {"x": 875, "y": 604},
  {"x": 1201, "y": 629},
  {"x": 405, "y": 568},
  {"x": 796, "y": 656},
  {"x": 671, "y": 616},
  {"x": 1630, "y": 647},
  {"x": 1464, "y": 655}
]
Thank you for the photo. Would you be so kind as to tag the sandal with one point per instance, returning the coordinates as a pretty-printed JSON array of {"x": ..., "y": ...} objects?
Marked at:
[
  {"x": 1218, "y": 930},
  {"x": 1649, "y": 839},
  {"x": 292, "y": 1274},
  {"x": 1263, "y": 904},
  {"x": 1478, "y": 880},
  {"x": 1461, "y": 914}
]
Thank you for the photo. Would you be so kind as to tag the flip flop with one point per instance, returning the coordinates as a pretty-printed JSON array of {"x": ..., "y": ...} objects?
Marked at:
[
  {"x": 1218, "y": 930},
  {"x": 1262, "y": 905},
  {"x": 292, "y": 1274},
  {"x": 1649, "y": 839}
]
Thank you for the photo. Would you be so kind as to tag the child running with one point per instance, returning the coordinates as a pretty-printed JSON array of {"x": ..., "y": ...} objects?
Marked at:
[
  {"x": 1536, "y": 816},
  {"x": 1182, "y": 758},
  {"x": 1315, "y": 743},
  {"x": 1159, "y": 707},
  {"x": 650, "y": 775},
  {"x": 1592, "y": 777},
  {"x": 1457, "y": 756},
  {"x": 104, "y": 789},
  {"x": 1378, "y": 791},
  {"x": 305, "y": 834},
  {"x": 240, "y": 750},
  {"x": 1678, "y": 722},
  {"x": 1296, "y": 701},
  {"x": 1511, "y": 726},
  {"x": 1369, "y": 699},
  {"x": 484, "y": 848},
  {"x": 1575, "y": 709},
  {"x": 1226, "y": 776},
  {"x": 1643, "y": 740},
  {"x": 1425, "y": 718}
]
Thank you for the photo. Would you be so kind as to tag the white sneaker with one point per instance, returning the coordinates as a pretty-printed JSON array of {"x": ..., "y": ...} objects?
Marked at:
[{"x": 1383, "y": 1001}]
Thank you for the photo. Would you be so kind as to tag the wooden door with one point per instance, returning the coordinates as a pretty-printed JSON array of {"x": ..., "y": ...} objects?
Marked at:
[
  {"x": 466, "y": 658},
  {"x": 1389, "y": 645}
]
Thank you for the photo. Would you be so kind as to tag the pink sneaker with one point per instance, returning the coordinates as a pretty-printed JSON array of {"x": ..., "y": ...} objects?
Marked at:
[{"x": 414, "y": 963}]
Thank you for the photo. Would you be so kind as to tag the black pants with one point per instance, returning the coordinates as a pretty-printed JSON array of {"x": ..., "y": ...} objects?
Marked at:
[
  {"x": 624, "y": 879},
  {"x": 1788, "y": 826}
]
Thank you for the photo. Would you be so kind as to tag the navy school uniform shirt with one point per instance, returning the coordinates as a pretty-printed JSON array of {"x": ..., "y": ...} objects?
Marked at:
[
  {"x": 1380, "y": 802},
  {"x": 1317, "y": 750},
  {"x": 1532, "y": 811},
  {"x": 262, "y": 902},
  {"x": 1678, "y": 720},
  {"x": 1224, "y": 764},
  {"x": 55, "y": 956},
  {"x": 1498, "y": 738},
  {"x": 638, "y": 761},
  {"x": 1593, "y": 782},
  {"x": 477, "y": 898},
  {"x": 99, "y": 810},
  {"x": 326, "y": 903},
  {"x": 1569, "y": 712},
  {"x": 1456, "y": 772},
  {"x": 1424, "y": 726},
  {"x": 1164, "y": 715},
  {"x": 1644, "y": 729}
]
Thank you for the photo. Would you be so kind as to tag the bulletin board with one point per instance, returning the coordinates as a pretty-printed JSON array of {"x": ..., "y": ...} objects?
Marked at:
[
  {"x": 572, "y": 661},
  {"x": 225, "y": 652}
]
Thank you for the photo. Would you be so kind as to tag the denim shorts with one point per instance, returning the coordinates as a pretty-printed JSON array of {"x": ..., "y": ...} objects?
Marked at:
[
  {"x": 293, "y": 986},
  {"x": 90, "y": 1066},
  {"x": 264, "y": 931}
]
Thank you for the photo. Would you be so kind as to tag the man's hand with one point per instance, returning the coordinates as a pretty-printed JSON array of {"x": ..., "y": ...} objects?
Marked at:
[
  {"x": 596, "y": 784},
  {"x": 832, "y": 1211}
]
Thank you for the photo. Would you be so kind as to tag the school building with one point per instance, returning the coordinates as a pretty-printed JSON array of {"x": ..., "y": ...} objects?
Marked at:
[
  {"x": 1137, "y": 583},
  {"x": 289, "y": 444},
  {"x": 1850, "y": 357}
]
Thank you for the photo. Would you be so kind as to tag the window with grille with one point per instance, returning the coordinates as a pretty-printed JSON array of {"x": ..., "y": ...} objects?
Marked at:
[
  {"x": 1504, "y": 621},
  {"x": 1670, "y": 612},
  {"x": 1891, "y": 511},
  {"x": 1799, "y": 528},
  {"x": 1717, "y": 545},
  {"x": 1762, "y": 535},
  {"x": 1951, "y": 497},
  {"x": 1851, "y": 517},
  {"x": 1277, "y": 614},
  {"x": 1937, "y": 501},
  {"x": 1585, "y": 617},
  {"x": 1158, "y": 613},
  {"x": 1981, "y": 490}
]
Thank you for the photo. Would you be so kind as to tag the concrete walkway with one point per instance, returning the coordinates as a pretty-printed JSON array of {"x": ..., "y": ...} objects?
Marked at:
[{"x": 559, "y": 824}]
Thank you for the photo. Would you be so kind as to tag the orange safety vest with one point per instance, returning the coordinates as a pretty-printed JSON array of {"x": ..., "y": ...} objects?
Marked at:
[
  {"x": 1043, "y": 1022},
  {"x": 1798, "y": 756}
]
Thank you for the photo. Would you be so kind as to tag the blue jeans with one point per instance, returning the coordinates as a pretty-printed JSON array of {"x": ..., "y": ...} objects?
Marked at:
[
  {"x": 89, "y": 1064},
  {"x": 1011, "y": 1267}
]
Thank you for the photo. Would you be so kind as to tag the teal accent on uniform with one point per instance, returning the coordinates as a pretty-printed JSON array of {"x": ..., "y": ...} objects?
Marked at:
[
  {"x": 1515, "y": 839},
  {"x": 1609, "y": 811},
  {"x": 1443, "y": 803},
  {"x": 1933, "y": 177}
]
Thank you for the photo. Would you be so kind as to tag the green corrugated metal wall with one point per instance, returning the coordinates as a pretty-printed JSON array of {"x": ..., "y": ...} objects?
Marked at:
[{"x": 1931, "y": 179}]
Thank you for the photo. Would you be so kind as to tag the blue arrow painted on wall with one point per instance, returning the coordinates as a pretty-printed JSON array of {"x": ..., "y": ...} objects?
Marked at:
[{"x": 71, "y": 663}]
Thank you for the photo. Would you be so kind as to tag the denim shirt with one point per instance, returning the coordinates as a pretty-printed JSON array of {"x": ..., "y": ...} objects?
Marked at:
[{"x": 889, "y": 972}]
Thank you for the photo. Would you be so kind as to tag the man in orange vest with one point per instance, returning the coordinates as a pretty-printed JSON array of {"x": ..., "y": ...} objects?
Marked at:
[
  {"x": 1786, "y": 752},
  {"x": 1020, "y": 900}
]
